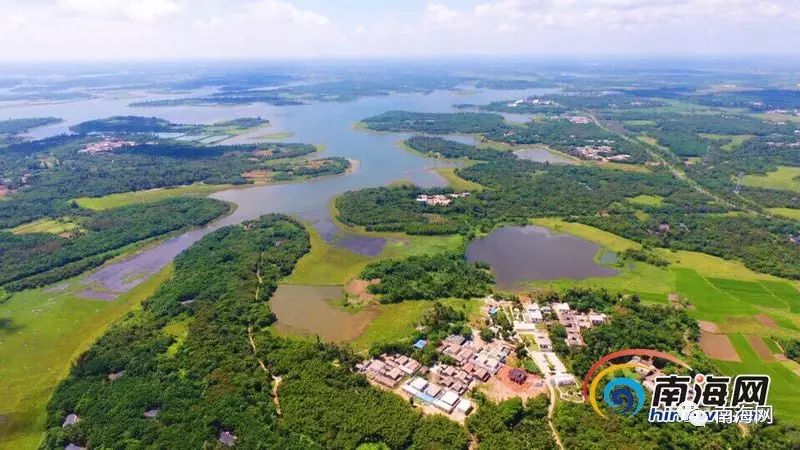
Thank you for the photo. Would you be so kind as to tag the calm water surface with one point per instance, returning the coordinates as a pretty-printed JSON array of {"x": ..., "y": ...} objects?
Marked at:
[
  {"x": 308, "y": 310},
  {"x": 519, "y": 254},
  {"x": 540, "y": 154},
  {"x": 328, "y": 124}
]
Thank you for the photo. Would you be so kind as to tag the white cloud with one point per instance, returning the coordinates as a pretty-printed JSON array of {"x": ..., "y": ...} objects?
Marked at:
[
  {"x": 96, "y": 29},
  {"x": 147, "y": 11},
  {"x": 272, "y": 11},
  {"x": 151, "y": 10}
]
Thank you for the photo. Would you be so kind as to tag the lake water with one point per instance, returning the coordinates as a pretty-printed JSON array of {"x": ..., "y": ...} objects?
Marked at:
[
  {"x": 381, "y": 161},
  {"x": 541, "y": 154},
  {"x": 531, "y": 253},
  {"x": 308, "y": 310}
]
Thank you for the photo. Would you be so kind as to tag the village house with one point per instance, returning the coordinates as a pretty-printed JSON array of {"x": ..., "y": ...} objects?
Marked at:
[
  {"x": 564, "y": 379},
  {"x": 227, "y": 438},
  {"x": 439, "y": 199},
  {"x": 388, "y": 370},
  {"x": 518, "y": 376},
  {"x": 105, "y": 146},
  {"x": 574, "y": 339},
  {"x": 444, "y": 399},
  {"x": 532, "y": 313},
  {"x": 542, "y": 339},
  {"x": 647, "y": 371},
  {"x": 602, "y": 153},
  {"x": 579, "y": 120},
  {"x": 70, "y": 420}
]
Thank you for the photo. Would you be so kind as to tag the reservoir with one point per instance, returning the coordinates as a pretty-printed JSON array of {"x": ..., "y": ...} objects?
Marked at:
[
  {"x": 330, "y": 125},
  {"x": 531, "y": 253}
]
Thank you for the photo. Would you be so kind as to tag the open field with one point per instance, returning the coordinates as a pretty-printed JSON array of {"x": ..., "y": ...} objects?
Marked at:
[
  {"x": 736, "y": 140},
  {"x": 456, "y": 182},
  {"x": 605, "y": 239},
  {"x": 54, "y": 226},
  {"x": 327, "y": 264},
  {"x": 790, "y": 213},
  {"x": 718, "y": 346},
  {"x": 48, "y": 329},
  {"x": 625, "y": 167},
  {"x": 777, "y": 117},
  {"x": 647, "y": 200},
  {"x": 784, "y": 178},
  {"x": 397, "y": 321},
  {"x": 722, "y": 292},
  {"x": 785, "y": 386},
  {"x": 152, "y": 195},
  {"x": 276, "y": 136}
]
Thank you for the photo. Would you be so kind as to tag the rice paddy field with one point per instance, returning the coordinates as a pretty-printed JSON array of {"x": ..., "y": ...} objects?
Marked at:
[
  {"x": 784, "y": 387},
  {"x": 749, "y": 308}
]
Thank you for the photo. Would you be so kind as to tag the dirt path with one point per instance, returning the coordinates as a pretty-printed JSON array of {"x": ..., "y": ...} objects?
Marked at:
[
  {"x": 276, "y": 381},
  {"x": 550, "y": 410}
]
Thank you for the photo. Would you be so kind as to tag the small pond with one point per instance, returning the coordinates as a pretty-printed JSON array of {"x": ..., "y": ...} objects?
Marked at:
[
  {"x": 310, "y": 311},
  {"x": 540, "y": 154},
  {"x": 530, "y": 253}
]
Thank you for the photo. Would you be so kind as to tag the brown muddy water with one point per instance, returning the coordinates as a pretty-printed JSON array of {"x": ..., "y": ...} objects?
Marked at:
[{"x": 311, "y": 311}]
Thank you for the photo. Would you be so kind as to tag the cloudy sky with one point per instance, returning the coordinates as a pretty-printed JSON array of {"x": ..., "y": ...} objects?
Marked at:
[{"x": 191, "y": 29}]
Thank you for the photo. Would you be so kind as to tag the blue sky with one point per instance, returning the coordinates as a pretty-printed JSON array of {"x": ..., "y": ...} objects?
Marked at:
[{"x": 190, "y": 29}]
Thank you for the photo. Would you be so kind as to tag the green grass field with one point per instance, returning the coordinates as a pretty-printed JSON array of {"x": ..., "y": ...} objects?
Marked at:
[
  {"x": 750, "y": 292},
  {"x": 397, "y": 321},
  {"x": 276, "y": 136},
  {"x": 790, "y": 213},
  {"x": 784, "y": 387},
  {"x": 736, "y": 140},
  {"x": 53, "y": 226},
  {"x": 44, "y": 333},
  {"x": 720, "y": 291},
  {"x": 152, "y": 195},
  {"x": 785, "y": 178},
  {"x": 456, "y": 182},
  {"x": 647, "y": 200},
  {"x": 327, "y": 264},
  {"x": 710, "y": 302}
]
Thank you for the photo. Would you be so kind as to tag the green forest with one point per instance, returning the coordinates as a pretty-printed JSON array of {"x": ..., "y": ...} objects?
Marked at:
[
  {"x": 427, "y": 277},
  {"x": 520, "y": 190},
  {"x": 38, "y": 259},
  {"x": 188, "y": 355},
  {"x": 45, "y": 175}
]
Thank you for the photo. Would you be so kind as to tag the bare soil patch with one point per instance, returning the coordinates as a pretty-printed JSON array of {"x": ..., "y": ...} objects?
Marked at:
[
  {"x": 360, "y": 289},
  {"x": 766, "y": 321},
  {"x": 258, "y": 175},
  {"x": 709, "y": 327},
  {"x": 718, "y": 346},
  {"x": 761, "y": 349}
]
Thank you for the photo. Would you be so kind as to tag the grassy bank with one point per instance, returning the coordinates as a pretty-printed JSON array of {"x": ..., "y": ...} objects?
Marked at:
[
  {"x": 149, "y": 196},
  {"x": 43, "y": 332}
]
